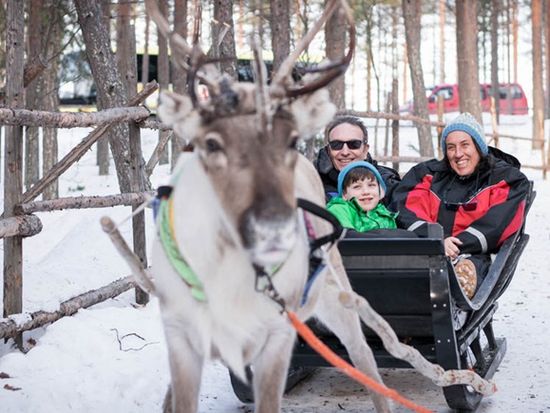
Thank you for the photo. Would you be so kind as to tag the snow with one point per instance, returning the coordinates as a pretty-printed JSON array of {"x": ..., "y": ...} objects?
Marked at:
[{"x": 112, "y": 357}]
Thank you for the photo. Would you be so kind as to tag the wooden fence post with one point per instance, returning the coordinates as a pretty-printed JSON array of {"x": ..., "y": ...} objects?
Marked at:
[
  {"x": 387, "y": 128},
  {"x": 127, "y": 64},
  {"x": 395, "y": 123},
  {"x": 13, "y": 246}
]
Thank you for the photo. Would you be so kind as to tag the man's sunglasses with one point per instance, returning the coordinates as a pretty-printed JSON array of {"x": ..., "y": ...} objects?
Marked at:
[
  {"x": 337, "y": 145},
  {"x": 470, "y": 206}
]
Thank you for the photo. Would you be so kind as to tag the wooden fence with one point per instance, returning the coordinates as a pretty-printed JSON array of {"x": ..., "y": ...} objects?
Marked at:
[{"x": 18, "y": 222}]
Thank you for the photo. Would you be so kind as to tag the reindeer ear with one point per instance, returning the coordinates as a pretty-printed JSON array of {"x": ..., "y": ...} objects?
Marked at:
[
  {"x": 177, "y": 112},
  {"x": 312, "y": 112}
]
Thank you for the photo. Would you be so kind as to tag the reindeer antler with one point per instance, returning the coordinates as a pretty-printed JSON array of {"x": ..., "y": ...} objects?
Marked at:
[
  {"x": 190, "y": 58},
  {"x": 279, "y": 86}
]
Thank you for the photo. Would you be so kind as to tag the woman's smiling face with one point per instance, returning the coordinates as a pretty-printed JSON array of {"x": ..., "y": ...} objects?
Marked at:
[{"x": 462, "y": 153}]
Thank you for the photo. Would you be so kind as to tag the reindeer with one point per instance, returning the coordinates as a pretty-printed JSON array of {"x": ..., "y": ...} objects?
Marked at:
[{"x": 233, "y": 212}]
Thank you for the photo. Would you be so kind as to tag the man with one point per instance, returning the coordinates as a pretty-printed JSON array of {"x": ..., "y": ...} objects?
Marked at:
[
  {"x": 346, "y": 141},
  {"x": 476, "y": 193}
]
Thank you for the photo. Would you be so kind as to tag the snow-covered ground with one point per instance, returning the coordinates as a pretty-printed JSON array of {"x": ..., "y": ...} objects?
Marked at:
[{"x": 112, "y": 357}]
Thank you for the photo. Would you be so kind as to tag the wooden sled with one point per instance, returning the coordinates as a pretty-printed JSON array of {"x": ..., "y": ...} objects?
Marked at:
[{"x": 413, "y": 286}]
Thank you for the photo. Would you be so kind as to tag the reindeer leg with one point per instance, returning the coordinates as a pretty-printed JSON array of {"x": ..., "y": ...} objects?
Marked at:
[
  {"x": 270, "y": 371},
  {"x": 185, "y": 371},
  {"x": 346, "y": 326}
]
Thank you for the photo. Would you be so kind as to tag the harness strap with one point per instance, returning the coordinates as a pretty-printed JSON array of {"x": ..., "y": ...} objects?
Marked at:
[
  {"x": 327, "y": 216},
  {"x": 316, "y": 262},
  {"x": 166, "y": 234}
]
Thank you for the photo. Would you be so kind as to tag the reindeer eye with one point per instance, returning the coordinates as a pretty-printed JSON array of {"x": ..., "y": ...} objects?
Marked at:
[{"x": 212, "y": 143}]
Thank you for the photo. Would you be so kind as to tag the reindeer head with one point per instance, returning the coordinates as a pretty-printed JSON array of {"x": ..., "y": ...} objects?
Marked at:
[{"x": 246, "y": 135}]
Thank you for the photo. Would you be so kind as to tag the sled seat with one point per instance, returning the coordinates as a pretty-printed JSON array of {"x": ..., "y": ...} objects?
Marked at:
[{"x": 413, "y": 286}]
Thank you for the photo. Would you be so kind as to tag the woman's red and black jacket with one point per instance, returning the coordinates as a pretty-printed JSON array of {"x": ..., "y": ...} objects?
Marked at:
[{"x": 482, "y": 210}]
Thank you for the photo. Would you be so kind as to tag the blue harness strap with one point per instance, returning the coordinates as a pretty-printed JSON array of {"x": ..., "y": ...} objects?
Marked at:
[{"x": 316, "y": 262}]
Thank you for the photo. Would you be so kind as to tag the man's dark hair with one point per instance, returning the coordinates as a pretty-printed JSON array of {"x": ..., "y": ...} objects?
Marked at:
[
  {"x": 352, "y": 120},
  {"x": 358, "y": 174}
]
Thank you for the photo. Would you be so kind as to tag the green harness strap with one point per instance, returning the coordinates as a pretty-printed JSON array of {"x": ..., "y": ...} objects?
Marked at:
[{"x": 172, "y": 252}]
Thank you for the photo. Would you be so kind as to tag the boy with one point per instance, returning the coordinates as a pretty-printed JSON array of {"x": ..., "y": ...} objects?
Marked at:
[{"x": 357, "y": 206}]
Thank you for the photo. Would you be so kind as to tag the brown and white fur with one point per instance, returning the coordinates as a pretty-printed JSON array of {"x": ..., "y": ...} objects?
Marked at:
[{"x": 235, "y": 205}]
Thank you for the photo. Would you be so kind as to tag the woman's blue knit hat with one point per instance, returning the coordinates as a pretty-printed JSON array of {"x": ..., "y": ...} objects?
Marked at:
[
  {"x": 466, "y": 123},
  {"x": 359, "y": 164}
]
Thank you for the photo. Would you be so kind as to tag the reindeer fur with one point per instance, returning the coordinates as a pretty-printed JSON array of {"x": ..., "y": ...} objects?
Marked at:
[{"x": 214, "y": 199}]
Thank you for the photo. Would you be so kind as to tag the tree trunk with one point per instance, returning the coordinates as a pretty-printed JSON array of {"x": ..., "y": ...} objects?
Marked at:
[
  {"x": 163, "y": 71},
  {"x": 515, "y": 34},
  {"x": 466, "y": 52},
  {"x": 412, "y": 15},
  {"x": 442, "y": 41},
  {"x": 103, "y": 144},
  {"x": 127, "y": 64},
  {"x": 145, "y": 56},
  {"x": 37, "y": 10},
  {"x": 50, "y": 102},
  {"x": 223, "y": 37},
  {"x": 280, "y": 31},
  {"x": 495, "y": 11},
  {"x": 538, "y": 93},
  {"x": 110, "y": 88},
  {"x": 13, "y": 247},
  {"x": 547, "y": 43},
  {"x": 179, "y": 76},
  {"x": 335, "y": 44}
]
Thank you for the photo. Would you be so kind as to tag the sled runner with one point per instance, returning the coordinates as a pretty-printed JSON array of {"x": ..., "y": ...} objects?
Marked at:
[{"x": 413, "y": 286}]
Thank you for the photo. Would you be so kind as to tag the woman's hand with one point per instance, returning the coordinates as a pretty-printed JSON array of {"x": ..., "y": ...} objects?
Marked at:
[{"x": 452, "y": 245}]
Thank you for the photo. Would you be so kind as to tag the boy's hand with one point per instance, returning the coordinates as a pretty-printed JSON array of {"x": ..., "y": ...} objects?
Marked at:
[{"x": 452, "y": 249}]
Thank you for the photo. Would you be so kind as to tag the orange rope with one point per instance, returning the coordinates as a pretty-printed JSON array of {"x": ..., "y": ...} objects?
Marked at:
[{"x": 305, "y": 332}]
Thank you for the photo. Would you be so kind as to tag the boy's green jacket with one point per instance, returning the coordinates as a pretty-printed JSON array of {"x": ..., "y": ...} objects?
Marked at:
[{"x": 352, "y": 216}]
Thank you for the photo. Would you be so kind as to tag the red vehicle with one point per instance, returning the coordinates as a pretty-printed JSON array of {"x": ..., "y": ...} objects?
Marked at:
[{"x": 512, "y": 98}]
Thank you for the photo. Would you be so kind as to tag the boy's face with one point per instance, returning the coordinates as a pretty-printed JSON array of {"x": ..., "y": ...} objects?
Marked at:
[{"x": 366, "y": 191}]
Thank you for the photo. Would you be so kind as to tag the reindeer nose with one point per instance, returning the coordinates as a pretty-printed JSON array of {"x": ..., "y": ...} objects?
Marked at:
[{"x": 268, "y": 236}]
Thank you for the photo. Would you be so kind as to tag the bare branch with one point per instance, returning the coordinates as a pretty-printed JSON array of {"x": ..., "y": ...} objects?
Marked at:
[
  {"x": 81, "y": 202},
  {"x": 17, "y": 323},
  {"x": 15, "y": 117}
]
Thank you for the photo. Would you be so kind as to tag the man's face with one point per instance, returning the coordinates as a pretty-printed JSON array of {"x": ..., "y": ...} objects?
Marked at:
[
  {"x": 462, "y": 153},
  {"x": 346, "y": 132},
  {"x": 366, "y": 191}
]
